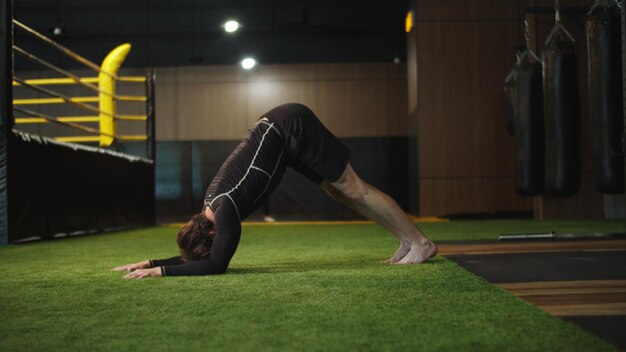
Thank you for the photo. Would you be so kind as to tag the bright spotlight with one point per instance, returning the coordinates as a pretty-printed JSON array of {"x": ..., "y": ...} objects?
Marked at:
[
  {"x": 56, "y": 30},
  {"x": 248, "y": 63},
  {"x": 231, "y": 26}
]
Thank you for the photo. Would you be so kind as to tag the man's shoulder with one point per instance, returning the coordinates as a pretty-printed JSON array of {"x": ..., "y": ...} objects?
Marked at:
[{"x": 226, "y": 212}]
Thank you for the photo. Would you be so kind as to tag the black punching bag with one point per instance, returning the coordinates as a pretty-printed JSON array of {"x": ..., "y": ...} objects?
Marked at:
[
  {"x": 605, "y": 95},
  {"x": 529, "y": 129},
  {"x": 561, "y": 112},
  {"x": 510, "y": 101}
]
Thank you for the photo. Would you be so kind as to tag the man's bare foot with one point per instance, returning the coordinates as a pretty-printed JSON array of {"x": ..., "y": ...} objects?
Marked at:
[
  {"x": 400, "y": 253},
  {"x": 419, "y": 254}
]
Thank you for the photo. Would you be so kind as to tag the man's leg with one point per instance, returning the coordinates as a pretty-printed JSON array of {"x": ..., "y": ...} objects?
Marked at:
[{"x": 370, "y": 202}]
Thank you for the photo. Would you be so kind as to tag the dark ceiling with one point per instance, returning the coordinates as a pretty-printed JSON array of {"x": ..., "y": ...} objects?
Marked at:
[{"x": 189, "y": 32}]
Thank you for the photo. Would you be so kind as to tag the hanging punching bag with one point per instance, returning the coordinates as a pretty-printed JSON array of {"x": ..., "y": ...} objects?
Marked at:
[
  {"x": 605, "y": 95},
  {"x": 561, "y": 112},
  {"x": 510, "y": 101},
  {"x": 529, "y": 128}
]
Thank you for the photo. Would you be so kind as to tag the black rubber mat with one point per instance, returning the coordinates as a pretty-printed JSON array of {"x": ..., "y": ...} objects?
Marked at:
[
  {"x": 557, "y": 266},
  {"x": 545, "y": 266},
  {"x": 610, "y": 328}
]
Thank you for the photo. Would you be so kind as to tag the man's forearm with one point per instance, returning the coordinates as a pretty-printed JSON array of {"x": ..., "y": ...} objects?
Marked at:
[
  {"x": 178, "y": 260},
  {"x": 195, "y": 268}
]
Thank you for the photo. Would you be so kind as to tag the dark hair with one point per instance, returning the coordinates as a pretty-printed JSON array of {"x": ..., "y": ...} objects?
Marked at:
[{"x": 196, "y": 238}]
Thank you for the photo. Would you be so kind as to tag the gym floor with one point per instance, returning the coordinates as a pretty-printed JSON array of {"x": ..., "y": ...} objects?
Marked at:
[
  {"x": 582, "y": 282},
  {"x": 321, "y": 286}
]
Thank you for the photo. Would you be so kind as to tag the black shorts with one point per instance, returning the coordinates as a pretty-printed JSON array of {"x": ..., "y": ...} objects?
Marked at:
[{"x": 312, "y": 150}]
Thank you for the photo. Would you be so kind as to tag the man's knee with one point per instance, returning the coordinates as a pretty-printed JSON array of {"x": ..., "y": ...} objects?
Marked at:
[
  {"x": 356, "y": 192},
  {"x": 350, "y": 186},
  {"x": 333, "y": 192}
]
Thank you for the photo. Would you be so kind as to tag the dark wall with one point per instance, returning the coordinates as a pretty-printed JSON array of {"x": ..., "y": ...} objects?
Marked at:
[{"x": 184, "y": 170}]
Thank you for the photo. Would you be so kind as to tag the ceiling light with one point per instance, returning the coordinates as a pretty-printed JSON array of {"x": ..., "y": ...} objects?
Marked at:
[
  {"x": 56, "y": 30},
  {"x": 248, "y": 63},
  {"x": 231, "y": 26}
]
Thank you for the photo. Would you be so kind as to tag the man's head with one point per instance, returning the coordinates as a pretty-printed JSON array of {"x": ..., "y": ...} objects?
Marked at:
[{"x": 196, "y": 238}]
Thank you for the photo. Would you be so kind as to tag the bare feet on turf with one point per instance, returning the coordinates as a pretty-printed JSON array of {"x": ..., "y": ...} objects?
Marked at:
[
  {"x": 419, "y": 254},
  {"x": 410, "y": 254},
  {"x": 400, "y": 253}
]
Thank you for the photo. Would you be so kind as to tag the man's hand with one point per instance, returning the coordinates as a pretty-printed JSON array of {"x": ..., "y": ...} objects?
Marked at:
[
  {"x": 142, "y": 273},
  {"x": 132, "y": 267}
]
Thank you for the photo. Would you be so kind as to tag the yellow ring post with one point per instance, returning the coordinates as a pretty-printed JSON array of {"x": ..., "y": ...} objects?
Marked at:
[{"x": 106, "y": 82}]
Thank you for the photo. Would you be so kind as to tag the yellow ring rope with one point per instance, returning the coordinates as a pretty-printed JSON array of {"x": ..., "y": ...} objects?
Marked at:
[
  {"x": 61, "y": 48},
  {"x": 63, "y": 98},
  {"x": 106, "y": 92},
  {"x": 71, "y": 76}
]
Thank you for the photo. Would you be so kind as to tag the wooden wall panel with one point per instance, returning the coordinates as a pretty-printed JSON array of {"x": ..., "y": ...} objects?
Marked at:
[
  {"x": 281, "y": 73},
  {"x": 206, "y": 74},
  {"x": 440, "y": 196},
  {"x": 398, "y": 123},
  {"x": 355, "y": 71},
  {"x": 211, "y": 111},
  {"x": 462, "y": 50},
  {"x": 265, "y": 95},
  {"x": 460, "y": 101},
  {"x": 221, "y": 102},
  {"x": 351, "y": 108},
  {"x": 467, "y": 10},
  {"x": 413, "y": 117},
  {"x": 166, "y": 111},
  {"x": 586, "y": 204}
]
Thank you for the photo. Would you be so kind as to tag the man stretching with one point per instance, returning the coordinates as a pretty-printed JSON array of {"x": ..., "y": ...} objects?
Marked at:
[{"x": 288, "y": 135}]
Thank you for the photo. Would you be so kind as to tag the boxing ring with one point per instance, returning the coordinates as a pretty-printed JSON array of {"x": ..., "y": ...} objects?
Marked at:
[{"x": 64, "y": 184}]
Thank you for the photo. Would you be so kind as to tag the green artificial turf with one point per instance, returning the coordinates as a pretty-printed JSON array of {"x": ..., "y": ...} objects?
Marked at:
[{"x": 289, "y": 288}]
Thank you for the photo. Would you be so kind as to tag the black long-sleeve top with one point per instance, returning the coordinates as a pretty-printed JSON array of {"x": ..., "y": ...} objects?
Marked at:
[
  {"x": 242, "y": 184},
  {"x": 224, "y": 247}
]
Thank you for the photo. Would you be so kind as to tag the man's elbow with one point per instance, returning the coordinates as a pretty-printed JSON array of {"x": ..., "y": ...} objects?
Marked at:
[{"x": 219, "y": 270}]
